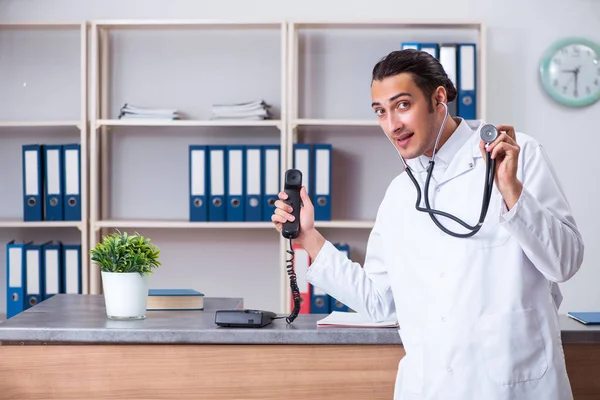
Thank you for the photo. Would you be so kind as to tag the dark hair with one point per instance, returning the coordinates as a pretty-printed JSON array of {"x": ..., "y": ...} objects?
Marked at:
[{"x": 427, "y": 72}]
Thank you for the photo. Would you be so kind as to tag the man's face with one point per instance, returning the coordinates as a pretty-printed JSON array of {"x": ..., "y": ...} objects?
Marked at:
[{"x": 404, "y": 115}]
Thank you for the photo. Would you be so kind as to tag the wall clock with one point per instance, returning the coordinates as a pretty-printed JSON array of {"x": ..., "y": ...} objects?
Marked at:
[{"x": 570, "y": 71}]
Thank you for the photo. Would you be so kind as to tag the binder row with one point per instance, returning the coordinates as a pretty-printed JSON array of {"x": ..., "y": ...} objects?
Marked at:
[
  {"x": 314, "y": 161},
  {"x": 460, "y": 63},
  {"x": 36, "y": 272},
  {"x": 241, "y": 182},
  {"x": 51, "y": 182},
  {"x": 312, "y": 299}
]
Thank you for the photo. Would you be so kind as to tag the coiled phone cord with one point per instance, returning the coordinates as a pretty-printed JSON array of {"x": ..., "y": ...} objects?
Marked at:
[{"x": 293, "y": 285}]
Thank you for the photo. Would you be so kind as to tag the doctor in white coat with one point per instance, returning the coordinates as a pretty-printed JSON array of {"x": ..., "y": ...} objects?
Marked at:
[{"x": 477, "y": 315}]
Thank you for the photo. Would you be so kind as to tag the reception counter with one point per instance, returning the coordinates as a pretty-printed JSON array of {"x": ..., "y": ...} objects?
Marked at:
[{"x": 66, "y": 348}]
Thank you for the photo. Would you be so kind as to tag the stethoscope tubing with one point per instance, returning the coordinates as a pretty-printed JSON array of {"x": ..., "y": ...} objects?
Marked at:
[
  {"x": 488, "y": 187},
  {"x": 487, "y": 190}
]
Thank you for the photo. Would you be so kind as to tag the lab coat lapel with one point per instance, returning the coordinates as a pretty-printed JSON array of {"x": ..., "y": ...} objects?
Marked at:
[{"x": 464, "y": 161}]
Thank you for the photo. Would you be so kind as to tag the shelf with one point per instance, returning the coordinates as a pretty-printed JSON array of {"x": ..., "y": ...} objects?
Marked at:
[
  {"x": 36, "y": 124},
  {"x": 345, "y": 224},
  {"x": 335, "y": 122},
  {"x": 185, "y": 23},
  {"x": 387, "y": 24},
  {"x": 39, "y": 224},
  {"x": 348, "y": 224},
  {"x": 182, "y": 224},
  {"x": 207, "y": 23},
  {"x": 42, "y": 24},
  {"x": 184, "y": 122}
]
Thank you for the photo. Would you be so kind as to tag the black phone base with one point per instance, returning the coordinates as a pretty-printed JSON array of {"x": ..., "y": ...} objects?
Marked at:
[{"x": 245, "y": 318}]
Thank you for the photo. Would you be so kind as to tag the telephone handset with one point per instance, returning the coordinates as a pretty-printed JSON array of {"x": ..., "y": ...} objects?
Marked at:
[
  {"x": 292, "y": 186},
  {"x": 291, "y": 230}
]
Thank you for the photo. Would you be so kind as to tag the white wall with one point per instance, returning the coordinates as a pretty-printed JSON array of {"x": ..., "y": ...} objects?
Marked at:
[{"x": 518, "y": 33}]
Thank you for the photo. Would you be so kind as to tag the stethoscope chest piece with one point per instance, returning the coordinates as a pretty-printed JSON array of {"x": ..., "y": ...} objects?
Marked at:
[{"x": 488, "y": 133}]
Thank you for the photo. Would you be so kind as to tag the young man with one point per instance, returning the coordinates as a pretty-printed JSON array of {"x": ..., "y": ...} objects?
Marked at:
[{"x": 477, "y": 316}]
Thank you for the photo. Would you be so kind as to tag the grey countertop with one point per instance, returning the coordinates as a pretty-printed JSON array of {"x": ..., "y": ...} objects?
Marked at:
[{"x": 82, "y": 319}]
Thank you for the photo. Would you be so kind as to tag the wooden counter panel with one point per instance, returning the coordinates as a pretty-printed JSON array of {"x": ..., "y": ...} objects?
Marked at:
[
  {"x": 583, "y": 367},
  {"x": 227, "y": 371},
  {"x": 198, "y": 372}
]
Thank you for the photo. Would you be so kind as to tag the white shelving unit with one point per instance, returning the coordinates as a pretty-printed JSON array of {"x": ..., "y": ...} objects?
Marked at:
[
  {"x": 195, "y": 47},
  {"x": 324, "y": 71},
  {"x": 315, "y": 74},
  {"x": 34, "y": 57}
]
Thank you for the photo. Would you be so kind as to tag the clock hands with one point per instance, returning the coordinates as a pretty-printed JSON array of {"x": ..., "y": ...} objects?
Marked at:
[
  {"x": 576, "y": 86},
  {"x": 574, "y": 70},
  {"x": 575, "y": 73}
]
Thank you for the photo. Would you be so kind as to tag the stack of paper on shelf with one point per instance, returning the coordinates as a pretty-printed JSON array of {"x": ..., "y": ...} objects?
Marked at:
[
  {"x": 354, "y": 320},
  {"x": 175, "y": 299},
  {"x": 129, "y": 111},
  {"x": 256, "y": 110}
]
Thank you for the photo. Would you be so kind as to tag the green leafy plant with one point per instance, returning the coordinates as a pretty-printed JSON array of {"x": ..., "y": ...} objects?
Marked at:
[{"x": 121, "y": 252}]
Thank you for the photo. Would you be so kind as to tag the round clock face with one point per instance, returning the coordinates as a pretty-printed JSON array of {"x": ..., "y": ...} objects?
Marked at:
[{"x": 570, "y": 72}]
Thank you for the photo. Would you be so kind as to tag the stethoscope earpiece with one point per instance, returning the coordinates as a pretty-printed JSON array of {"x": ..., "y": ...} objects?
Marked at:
[{"x": 488, "y": 133}]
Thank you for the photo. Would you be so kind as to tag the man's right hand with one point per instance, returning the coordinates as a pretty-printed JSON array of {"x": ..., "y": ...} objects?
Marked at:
[
  {"x": 308, "y": 237},
  {"x": 283, "y": 213}
]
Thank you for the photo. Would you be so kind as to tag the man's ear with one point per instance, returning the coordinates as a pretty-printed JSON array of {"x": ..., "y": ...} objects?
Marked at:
[{"x": 439, "y": 95}]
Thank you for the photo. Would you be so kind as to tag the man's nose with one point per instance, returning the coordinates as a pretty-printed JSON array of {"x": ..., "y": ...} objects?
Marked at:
[{"x": 394, "y": 123}]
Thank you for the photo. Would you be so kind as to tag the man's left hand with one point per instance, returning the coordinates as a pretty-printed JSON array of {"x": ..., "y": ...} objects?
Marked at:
[{"x": 506, "y": 152}]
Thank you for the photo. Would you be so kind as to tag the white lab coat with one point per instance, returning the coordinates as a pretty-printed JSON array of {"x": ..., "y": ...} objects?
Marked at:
[{"x": 477, "y": 316}]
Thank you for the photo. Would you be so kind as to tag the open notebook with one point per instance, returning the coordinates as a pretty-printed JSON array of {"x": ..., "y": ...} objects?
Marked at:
[{"x": 353, "y": 319}]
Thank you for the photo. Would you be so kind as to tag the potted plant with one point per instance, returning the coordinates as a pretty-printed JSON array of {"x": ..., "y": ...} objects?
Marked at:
[{"x": 125, "y": 262}]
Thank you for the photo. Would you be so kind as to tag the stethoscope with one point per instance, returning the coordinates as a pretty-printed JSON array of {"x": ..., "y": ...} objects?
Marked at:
[{"x": 488, "y": 134}]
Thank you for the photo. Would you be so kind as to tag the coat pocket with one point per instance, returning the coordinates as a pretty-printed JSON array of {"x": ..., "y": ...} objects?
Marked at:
[{"x": 512, "y": 346}]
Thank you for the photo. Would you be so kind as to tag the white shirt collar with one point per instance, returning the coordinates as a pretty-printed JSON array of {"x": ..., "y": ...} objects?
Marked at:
[{"x": 463, "y": 135}]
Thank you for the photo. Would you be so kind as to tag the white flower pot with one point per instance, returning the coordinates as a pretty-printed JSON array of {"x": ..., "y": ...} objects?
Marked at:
[{"x": 125, "y": 295}]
